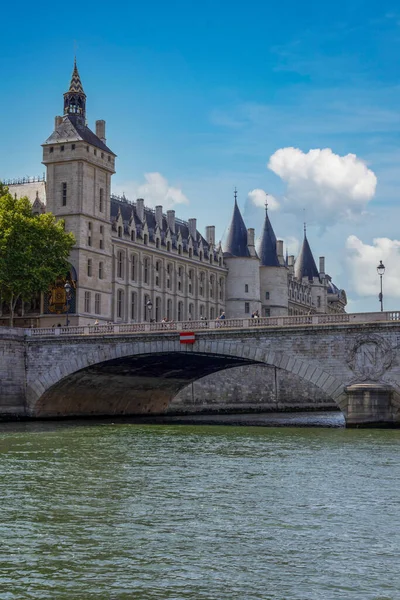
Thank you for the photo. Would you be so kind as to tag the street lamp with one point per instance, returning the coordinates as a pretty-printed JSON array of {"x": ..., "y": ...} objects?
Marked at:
[
  {"x": 67, "y": 288},
  {"x": 381, "y": 271},
  {"x": 149, "y": 306}
]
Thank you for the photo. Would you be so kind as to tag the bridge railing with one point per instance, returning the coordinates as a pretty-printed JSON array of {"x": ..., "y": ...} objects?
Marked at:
[{"x": 199, "y": 325}]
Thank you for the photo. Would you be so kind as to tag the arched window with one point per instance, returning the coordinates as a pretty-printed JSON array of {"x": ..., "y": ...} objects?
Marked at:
[
  {"x": 190, "y": 252},
  {"x": 212, "y": 313},
  {"x": 158, "y": 310},
  {"x": 200, "y": 255},
  {"x": 145, "y": 239},
  {"x": 211, "y": 286},
  {"x": 201, "y": 286},
  {"x": 120, "y": 304},
  {"x": 220, "y": 261},
  {"x": 180, "y": 311},
  {"x": 100, "y": 270},
  {"x": 146, "y": 264},
  {"x": 119, "y": 231},
  {"x": 190, "y": 311},
  {"x": 133, "y": 267},
  {"x": 120, "y": 264},
  {"x": 169, "y": 310},
  {"x": 179, "y": 249},
  {"x": 157, "y": 242},
  {"x": 168, "y": 246},
  {"x": 133, "y": 235},
  {"x": 133, "y": 306}
]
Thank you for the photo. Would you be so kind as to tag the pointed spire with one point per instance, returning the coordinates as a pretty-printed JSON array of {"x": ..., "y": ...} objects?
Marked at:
[
  {"x": 75, "y": 99},
  {"x": 266, "y": 246},
  {"x": 236, "y": 240},
  {"x": 305, "y": 264},
  {"x": 76, "y": 85}
]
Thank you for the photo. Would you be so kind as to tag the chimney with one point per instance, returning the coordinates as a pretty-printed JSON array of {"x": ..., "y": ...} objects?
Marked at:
[
  {"x": 210, "y": 234},
  {"x": 57, "y": 121},
  {"x": 279, "y": 249},
  {"x": 101, "y": 130},
  {"x": 140, "y": 209},
  {"x": 322, "y": 265},
  {"x": 159, "y": 216},
  {"x": 250, "y": 237},
  {"x": 171, "y": 220},
  {"x": 193, "y": 228},
  {"x": 290, "y": 260}
]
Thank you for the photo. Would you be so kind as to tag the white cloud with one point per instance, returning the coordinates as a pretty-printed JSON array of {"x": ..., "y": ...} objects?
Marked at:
[
  {"x": 362, "y": 261},
  {"x": 155, "y": 191},
  {"x": 259, "y": 198},
  {"x": 329, "y": 187}
]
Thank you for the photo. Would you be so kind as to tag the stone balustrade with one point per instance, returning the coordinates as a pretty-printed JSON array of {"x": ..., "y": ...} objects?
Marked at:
[{"x": 199, "y": 325}]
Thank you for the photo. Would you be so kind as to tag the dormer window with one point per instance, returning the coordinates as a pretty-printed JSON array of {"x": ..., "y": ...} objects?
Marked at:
[
  {"x": 72, "y": 146},
  {"x": 120, "y": 231},
  {"x": 51, "y": 150},
  {"x": 145, "y": 239},
  {"x": 62, "y": 149},
  {"x": 95, "y": 152}
]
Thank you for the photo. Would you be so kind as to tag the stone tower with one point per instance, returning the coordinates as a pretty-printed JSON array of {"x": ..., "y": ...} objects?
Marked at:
[
  {"x": 79, "y": 169},
  {"x": 243, "y": 279},
  {"x": 306, "y": 270},
  {"x": 273, "y": 272}
]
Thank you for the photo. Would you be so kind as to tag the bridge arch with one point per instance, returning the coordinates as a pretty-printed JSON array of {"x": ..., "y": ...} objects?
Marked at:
[{"x": 143, "y": 376}]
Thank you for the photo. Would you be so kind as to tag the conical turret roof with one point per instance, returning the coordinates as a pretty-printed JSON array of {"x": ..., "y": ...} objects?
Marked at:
[
  {"x": 236, "y": 240},
  {"x": 305, "y": 264},
  {"x": 266, "y": 247},
  {"x": 76, "y": 85}
]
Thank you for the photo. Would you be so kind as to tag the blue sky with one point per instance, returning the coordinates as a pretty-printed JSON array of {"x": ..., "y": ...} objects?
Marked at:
[{"x": 203, "y": 94}]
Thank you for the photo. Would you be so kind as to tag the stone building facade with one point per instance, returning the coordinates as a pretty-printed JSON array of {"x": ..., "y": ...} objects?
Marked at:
[{"x": 132, "y": 263}]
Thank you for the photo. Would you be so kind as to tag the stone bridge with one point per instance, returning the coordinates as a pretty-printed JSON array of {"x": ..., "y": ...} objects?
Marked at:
[{"x": 138, "y": 369}]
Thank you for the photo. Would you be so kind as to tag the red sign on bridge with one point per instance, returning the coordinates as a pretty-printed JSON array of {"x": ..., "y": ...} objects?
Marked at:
[{"x": 187, "y": 337}]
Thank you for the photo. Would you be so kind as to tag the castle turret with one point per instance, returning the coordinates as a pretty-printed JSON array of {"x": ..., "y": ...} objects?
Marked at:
[
  {"x": 306, "y": 270},
  {"x": 273, "y": 272},
  {"x": 243, "y": 280}
]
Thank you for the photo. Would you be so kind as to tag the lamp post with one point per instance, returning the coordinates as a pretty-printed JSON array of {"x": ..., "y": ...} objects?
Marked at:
[
  {"x": 67, "y": 288},
  {"x": 381, "y": 271},
  {"x": 149, "y": 306}
]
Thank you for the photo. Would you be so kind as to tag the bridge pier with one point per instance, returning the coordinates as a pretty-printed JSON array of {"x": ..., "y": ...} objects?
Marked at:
[{"x": 371, "y": 405}]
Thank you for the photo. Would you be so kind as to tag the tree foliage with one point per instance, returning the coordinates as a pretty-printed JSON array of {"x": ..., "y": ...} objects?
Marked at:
[{"x": 34, "y": 250}]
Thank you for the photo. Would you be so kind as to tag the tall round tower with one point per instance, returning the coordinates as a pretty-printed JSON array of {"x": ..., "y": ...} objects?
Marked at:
[{"x": 243, "y": 279}]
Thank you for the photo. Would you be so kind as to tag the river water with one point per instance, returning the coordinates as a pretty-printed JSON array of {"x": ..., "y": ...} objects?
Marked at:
[{"x": 96, "y": 510}]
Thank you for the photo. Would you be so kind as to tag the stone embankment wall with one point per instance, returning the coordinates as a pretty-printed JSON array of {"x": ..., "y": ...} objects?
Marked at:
[
  {"x": 12, "y": 373},
  {"x": 254, "y": 388}
]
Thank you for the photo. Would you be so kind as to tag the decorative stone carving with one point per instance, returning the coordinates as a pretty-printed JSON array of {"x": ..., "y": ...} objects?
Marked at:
[{"x": 370, "y": 357}]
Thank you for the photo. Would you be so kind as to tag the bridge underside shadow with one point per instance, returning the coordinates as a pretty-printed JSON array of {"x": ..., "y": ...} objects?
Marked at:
[{"x": 133, "y": 385}]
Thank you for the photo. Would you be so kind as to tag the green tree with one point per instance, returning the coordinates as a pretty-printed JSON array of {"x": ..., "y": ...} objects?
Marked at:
[{"x": 34, "y": 250}]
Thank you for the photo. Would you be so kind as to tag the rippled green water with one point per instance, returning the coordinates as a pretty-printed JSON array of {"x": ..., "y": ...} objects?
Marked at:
[{"x": 178, "y": 512}]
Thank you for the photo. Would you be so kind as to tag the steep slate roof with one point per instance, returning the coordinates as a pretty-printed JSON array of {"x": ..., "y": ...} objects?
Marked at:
[
  {"x": 266, "y": 247},
  {"x": 70, "y": 130},
  {"x": 236, "y": 240},
  {"x": 305, "y": 264},
  {"x": 128, "y": 209}
]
